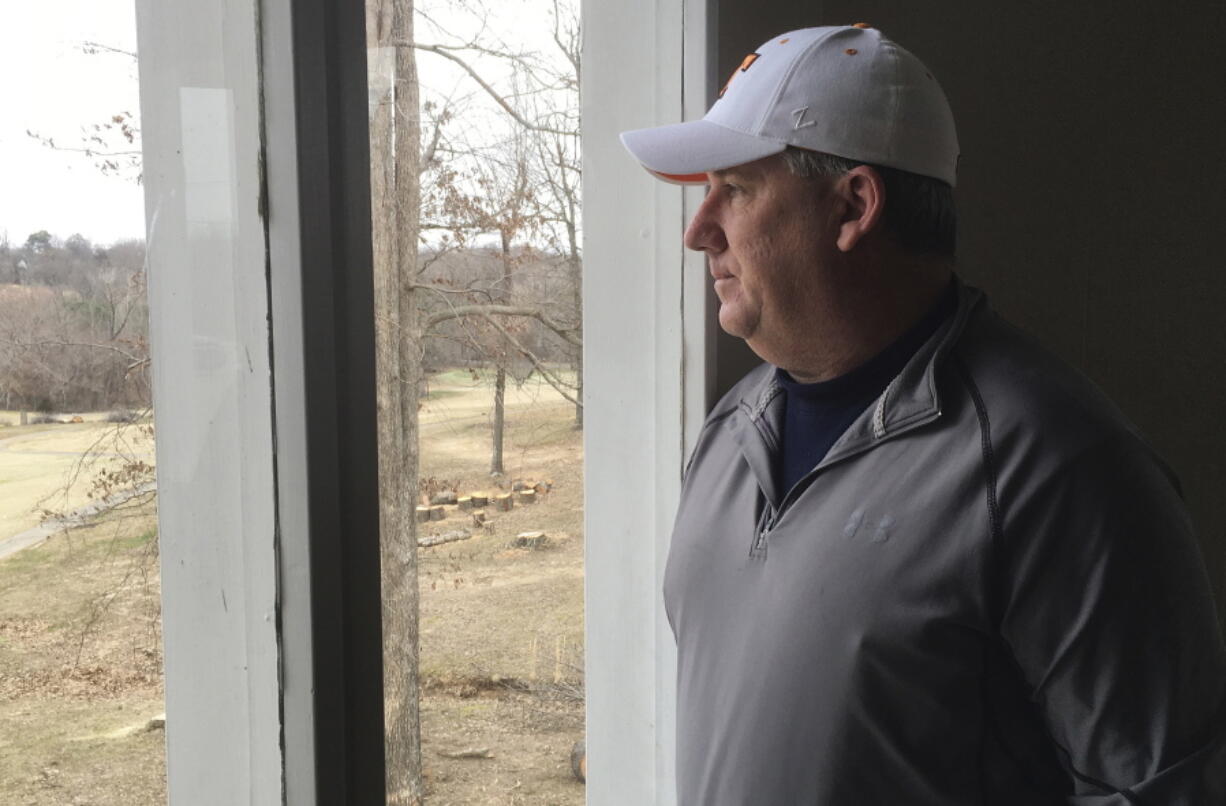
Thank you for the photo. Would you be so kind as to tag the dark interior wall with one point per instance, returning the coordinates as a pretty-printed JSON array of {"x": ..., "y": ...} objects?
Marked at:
[{"x": 1092, "y": 195}]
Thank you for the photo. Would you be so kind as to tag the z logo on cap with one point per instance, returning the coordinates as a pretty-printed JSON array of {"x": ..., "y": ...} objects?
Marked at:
[{"x": 745, "y": 63}]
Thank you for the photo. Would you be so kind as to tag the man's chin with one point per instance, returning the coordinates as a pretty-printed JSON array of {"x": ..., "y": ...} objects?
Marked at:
[{"x": 733, "y": 324}]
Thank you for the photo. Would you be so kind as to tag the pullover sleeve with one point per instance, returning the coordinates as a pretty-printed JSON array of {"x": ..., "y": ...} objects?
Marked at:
[{"x": 1107, "y": 609}]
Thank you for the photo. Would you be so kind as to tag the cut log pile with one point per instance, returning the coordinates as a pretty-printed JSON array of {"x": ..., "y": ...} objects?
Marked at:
[
  {"x": 445, "y": 537},
  {"x": 442, "y": 503}
]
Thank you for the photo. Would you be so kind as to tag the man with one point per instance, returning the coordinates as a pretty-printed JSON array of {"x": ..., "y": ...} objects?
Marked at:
[{"x": 917, "y": 559}]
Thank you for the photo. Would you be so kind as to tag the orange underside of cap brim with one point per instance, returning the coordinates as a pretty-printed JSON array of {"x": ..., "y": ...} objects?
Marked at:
[{"x": 680, "y": 179}]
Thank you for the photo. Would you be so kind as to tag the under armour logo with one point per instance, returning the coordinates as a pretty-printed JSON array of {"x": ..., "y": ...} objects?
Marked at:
[
  {"x": 883, "y": 529},
  {"x": 880, "y": 535}
]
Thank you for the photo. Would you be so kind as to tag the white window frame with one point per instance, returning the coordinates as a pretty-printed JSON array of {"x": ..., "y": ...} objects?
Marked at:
[
  {"x": 295, "y": 715},
  {"x": 256, "y": 171},
  {"x": 648, "y": 378}
]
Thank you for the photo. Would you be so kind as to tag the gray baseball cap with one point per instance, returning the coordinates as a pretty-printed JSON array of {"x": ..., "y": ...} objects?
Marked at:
[{"x": 846, "y": 90}]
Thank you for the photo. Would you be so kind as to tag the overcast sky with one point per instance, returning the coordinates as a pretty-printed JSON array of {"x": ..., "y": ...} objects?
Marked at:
[
  {"x": 50, "y": 86},
  {"x": 53, "y": 88}
]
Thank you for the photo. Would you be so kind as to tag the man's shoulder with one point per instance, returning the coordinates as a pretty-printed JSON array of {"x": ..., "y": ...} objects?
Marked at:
[{"x": 1028, "y": 395}]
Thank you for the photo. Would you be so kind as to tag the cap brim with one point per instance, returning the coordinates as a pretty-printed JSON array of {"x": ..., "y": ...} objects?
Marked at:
[{"x": 684, "y": 152}]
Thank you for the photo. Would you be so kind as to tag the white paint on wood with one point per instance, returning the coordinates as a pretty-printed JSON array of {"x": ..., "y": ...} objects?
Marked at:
[
  {"x": 644, "y": 390},
  {"x": 210, "y": 345}
]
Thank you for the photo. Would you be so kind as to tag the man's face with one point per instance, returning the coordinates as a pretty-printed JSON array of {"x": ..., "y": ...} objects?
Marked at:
[{"x": 768, "y": 239}]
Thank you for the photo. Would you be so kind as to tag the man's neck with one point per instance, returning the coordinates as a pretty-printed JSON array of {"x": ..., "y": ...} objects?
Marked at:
[{"x": 867, "y": 319}]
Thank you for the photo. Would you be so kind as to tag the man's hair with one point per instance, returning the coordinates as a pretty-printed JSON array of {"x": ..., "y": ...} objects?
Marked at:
[{"x": 919, "y": 210}]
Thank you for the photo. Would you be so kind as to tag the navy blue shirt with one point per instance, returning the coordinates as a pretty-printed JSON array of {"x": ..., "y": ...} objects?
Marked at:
[{"x": 817, "y": 414}]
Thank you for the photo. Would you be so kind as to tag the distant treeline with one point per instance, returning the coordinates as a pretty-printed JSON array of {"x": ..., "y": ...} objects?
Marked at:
[
  {"x": 74, "y": 318},
  {"x": 73, "y": 324}
]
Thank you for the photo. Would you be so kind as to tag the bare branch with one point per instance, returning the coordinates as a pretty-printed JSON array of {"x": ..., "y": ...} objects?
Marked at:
[
  {"x": 438, "y": 289},
  {"x": 486, "y": 311},
  {"x": 135, "y": 361},
  {"x": 569, "y": 49},
  {"x": 49, "y": 142},
  {"x": 536, "y": 363},
  {"x": 97, "y": 47},
  {"x": 445, "y": 52}
]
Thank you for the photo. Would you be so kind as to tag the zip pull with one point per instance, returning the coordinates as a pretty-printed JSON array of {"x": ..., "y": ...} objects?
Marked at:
[{"x": 758, "y": 548}]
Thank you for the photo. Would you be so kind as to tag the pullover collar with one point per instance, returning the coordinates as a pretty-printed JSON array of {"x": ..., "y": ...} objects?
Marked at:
[{"x": 910, "y": 400}]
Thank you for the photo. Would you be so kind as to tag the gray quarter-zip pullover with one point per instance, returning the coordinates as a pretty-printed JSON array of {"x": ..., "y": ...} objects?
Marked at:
[{"x": 987, "y": 593}]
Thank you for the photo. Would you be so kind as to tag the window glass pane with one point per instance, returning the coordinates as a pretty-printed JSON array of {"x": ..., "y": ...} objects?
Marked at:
[
  {"x": 81, "y": 695},
  {"x": 475, "y": 191}
]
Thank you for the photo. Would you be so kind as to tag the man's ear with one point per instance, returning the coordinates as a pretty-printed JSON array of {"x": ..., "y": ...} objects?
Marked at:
[{"x": 863, "y": 194}]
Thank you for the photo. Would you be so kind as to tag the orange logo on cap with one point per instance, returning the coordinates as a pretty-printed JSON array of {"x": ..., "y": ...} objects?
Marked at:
[{"x": 745, "y": 63}]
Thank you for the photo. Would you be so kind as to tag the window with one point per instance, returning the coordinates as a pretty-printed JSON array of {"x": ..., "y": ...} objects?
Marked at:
[{"x": 264, "y": 369}]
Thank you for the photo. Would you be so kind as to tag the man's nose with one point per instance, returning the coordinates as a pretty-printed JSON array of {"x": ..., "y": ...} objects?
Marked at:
[{"x": 704, "y": 234}]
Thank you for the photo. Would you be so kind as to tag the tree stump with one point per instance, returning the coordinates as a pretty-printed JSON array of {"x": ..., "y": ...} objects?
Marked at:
[
  {"x": 437, "y": 513},
  {"x": 526, "y": 496},
  {"x": 423, "y": 514},
  {"x": 578, "y": 761},
  {"x": 531, "y": 540},
  {"x": 504, "y": 502},
  {"x": 479, "y": 517},
  {"x": 464, "y": 502},
  {"x": 480, "y": 500}
]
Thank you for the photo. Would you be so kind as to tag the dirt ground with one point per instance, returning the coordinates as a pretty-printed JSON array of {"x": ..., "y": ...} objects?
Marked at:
[
  {"x": 80, "y": 668},
  {"x": 501, "y": 630},
  {"x": 502, "y": 627}
]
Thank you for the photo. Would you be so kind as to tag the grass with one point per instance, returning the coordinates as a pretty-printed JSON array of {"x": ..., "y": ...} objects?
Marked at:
[
  {"x": 443, "y": 394},
  {"x": 80, "y": 657},
  {"x": 501, "y": 628},
  {"x": 43, "y": 468}
]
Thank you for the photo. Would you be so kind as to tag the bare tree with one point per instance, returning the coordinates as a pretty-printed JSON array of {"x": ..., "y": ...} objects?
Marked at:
[
  {"x": 523, "y": 187},
  {"x": 560, "y": 172},
  {"x": 395, "y": 200},
  {"x": 501, "y": 204}
]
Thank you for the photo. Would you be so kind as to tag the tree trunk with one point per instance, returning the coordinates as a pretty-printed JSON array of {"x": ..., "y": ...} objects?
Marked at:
[
  {"x": 500, "y": 393},
  {"x": 576, "y": 270},
  {"x": 574, "y": 263},
  {"x": 500, "y": 380},
  {"x": 395, "y": 201},
  {"x": 578, "y": 388}
]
